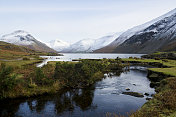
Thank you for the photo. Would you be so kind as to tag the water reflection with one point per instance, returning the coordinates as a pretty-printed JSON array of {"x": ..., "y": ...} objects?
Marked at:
[
  {"x": 104, "y": 96},
  {"x": 82, "y": 98},
  {"x": 67, "y": 100}
]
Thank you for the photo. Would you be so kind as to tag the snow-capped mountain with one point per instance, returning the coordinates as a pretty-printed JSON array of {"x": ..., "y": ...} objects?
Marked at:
[
  {"x": 80, "y": 46},
  {"x": 89, "y": 45},
  {"x": 149, "y": 37},
  {"x": 23, "y": 38},
  {"x": 58, "y": 45}
]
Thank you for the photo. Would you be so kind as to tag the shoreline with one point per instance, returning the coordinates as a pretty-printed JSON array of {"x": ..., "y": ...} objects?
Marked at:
[{"x": 154, "y": 74}]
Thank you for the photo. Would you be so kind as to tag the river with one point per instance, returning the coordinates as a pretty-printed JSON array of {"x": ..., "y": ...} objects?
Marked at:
[{"x": 96, "y": 101}]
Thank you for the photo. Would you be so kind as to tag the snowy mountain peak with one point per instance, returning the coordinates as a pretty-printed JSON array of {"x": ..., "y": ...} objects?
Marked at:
[
  {"x": 17, "y": 33},
  {"x": 89, "y": 45},
  {"x": 136, "y": 30},
  {"x": 23, "y": 38},
  {"x": 19, "y": 37},
  {"x": 58, "y": 45},
  {"x": 156, "y": 35}
]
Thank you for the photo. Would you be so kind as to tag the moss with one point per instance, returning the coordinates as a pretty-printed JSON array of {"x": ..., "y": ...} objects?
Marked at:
[
  {"x": 153, "y": 75},
  {"x": 135, "y": 94}
]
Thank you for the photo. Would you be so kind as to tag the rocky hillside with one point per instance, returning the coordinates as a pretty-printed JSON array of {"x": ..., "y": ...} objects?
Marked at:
[{"x": 156, "y": 35}]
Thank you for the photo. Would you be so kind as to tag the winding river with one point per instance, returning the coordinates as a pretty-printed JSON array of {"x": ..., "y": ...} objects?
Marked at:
[{"x": 99, "y": 100}]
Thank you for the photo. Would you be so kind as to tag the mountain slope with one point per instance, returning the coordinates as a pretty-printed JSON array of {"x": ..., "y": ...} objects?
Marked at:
[
  {"x": 58, "y": 45},
  {"x": 25, "y": 39},
  {"x": 152, "y": 36},
  {"x": 11, "y": 51},
  {"x": 89, "y": 45},
  {"x": 12, "y": 47}
]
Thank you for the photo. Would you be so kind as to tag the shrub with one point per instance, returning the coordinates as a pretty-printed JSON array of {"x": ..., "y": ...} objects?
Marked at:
[
  {"x": 78, "y": 74},
  {"x": 40, "y": 78},
  {"x": 7, "y": 80},
  {"x": 157, "y": 58},
  {"x": 25, "y": 58}
]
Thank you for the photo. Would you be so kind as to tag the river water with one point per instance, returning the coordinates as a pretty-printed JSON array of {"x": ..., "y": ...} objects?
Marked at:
[{"x": 96, "y": 101}]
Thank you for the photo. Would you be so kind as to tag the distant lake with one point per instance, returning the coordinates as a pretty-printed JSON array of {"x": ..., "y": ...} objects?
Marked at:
[
  {"x": 103, "y": 97},
  {"x": 72, "y": 56}
]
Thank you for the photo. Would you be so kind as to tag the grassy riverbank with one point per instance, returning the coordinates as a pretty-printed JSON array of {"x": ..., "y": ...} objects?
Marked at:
[
  {"x": 163, "y": 103},
  {"x": 168, "y": 67},
  {"x": 21, "y": 78}
]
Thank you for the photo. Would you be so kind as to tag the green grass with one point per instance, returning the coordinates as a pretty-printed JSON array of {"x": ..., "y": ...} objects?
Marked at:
[
  {"x": 171, "y": 64},
  {"x": 168, "y": 71},
  {"x": 20, "y": 63},
  {"x": 20, "y": 91},
  {"x": 163, "y": 103},
  {"x": 158, "y": 53},
  {"x": 140, "y": 60}
]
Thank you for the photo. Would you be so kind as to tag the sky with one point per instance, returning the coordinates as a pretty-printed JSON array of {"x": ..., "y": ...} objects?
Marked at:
[{"x": 74, "y": 20}]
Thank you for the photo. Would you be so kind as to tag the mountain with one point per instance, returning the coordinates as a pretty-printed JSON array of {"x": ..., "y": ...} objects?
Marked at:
[
  {"x": 89, "y": 45},
  {"x": 58, "y": 45},
  {"x": 156, "y": 35},
  {"x": 23, "y": 38},
  {"x": 11, "y": 47}
]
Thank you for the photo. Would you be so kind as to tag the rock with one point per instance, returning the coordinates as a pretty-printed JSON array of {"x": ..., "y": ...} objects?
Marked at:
[
  {"x": 148, "y": 98},
  {"x": 152, "y": 95},
  {"x": 154, "y": 84},
  {"x": 153, "y": 75},
  {"x": 146, "y": 94},
  {"x": 135, "y": 94},
  {"x": 127, "y": 89}
]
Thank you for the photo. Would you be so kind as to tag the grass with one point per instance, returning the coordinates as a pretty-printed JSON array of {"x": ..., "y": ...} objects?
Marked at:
[
  {"x": 9, "y": 55},
  {"x": 171, "y": 64},
  {"x": 168, "y": 71},
  {"x": 21, "y": 91},
  {"x": 20, "y": 63},
  {"x": 23, "y": 61},
  {"x": 163, "y": 103},
  {"x": 158, "y": 53}
]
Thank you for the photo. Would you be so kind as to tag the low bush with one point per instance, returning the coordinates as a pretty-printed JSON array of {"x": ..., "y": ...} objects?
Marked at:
[
  {"x": 7, "y": 79},
  {"x": 40, "y": 78},
  {"x": 78, "y": 74},
  {"x": 25, "y": 58}
]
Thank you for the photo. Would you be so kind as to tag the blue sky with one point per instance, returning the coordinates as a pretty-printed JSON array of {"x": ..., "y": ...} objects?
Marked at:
[{"x": 73, "y": 20}]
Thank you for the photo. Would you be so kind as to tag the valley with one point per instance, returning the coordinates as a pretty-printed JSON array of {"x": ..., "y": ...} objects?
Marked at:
[
  {"x": 53, "y": 78},
  {"x": 93, "y": 58}
]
